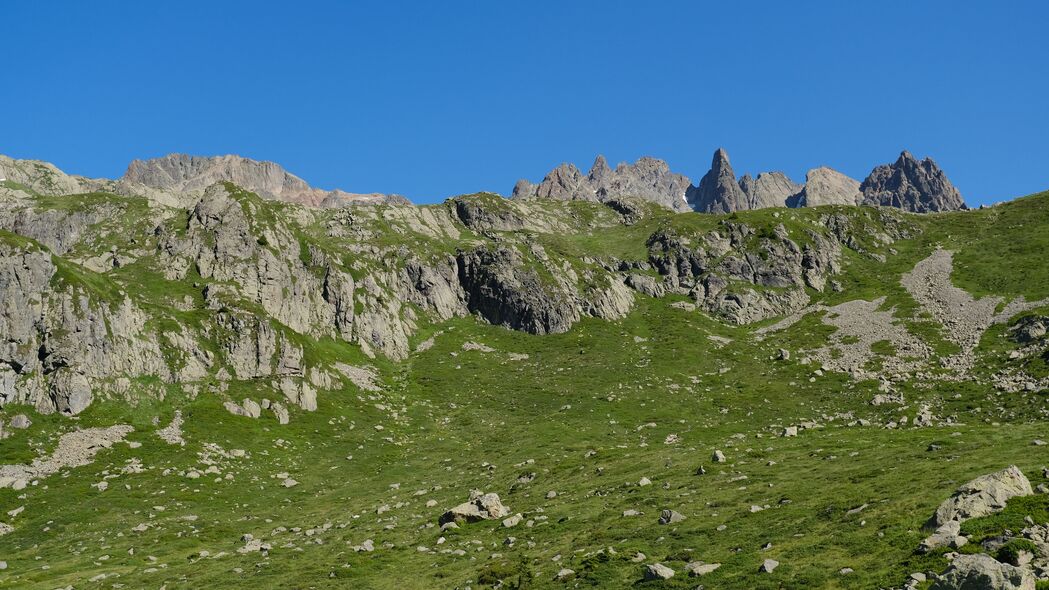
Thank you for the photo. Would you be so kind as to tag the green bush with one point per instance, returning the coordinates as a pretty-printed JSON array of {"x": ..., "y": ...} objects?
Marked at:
[{"x": 1010, "y": 552}]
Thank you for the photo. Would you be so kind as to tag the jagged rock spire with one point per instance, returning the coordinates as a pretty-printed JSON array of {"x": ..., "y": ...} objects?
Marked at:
[{"x": 718, "y": 191}]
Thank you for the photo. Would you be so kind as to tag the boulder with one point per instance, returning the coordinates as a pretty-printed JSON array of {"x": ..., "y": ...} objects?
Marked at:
[
  {"x": 658, "y": 571},
  {"x": 480, "y": 507},
  {"x": 670, "y": 517},
  {"x": 983, "y": 572},
  {"x": 698, "y": 568},
  {"x": 947, "y": 535},
  {"x": 982, "y": 496}
]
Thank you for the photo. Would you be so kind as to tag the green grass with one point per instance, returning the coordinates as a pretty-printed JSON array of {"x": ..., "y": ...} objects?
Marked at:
[{"x": 587, "y": 411}]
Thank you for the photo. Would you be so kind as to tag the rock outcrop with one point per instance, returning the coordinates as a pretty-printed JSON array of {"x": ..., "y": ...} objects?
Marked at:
[
  {"x": 739, "y": 283},
  {"x": 718, "y": 190},
  {"x": 648, "y": 178},
  {"x": 506, "y": 289},
  {"x": 982, "y": 496},
  {"x": 192, "y": 174},
  {"x": 911, "y": 185}
]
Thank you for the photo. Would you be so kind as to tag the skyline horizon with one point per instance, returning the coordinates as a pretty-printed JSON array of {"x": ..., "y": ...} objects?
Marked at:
[
  {"x": 430, "y": 100},
  {"x": 584, "y": 169}
]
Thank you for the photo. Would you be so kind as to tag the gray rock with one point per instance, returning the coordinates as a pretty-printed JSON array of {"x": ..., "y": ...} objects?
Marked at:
[
  {"x": 658, "y": 571},
  {"x": 983, "y": 572},
  {"x": 21, "y": 422},
  {"x": 982, "y": 496},
  {"x": 911, "y": 185},
  {"x": 670, "y": 517},
  {"x": 698, "y": 568},
  {"x": 70, "y": 392},
  {"x": 947, "y": 535},
  {"x": 480, "y": 507},
  {"x": 768, "y": 566}
]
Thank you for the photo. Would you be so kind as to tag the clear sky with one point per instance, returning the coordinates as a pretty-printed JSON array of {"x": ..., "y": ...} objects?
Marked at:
[{"x": 432, "y": 99}]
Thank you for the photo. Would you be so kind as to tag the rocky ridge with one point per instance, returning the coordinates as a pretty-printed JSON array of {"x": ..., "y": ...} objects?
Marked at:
[{"x": 907, "y": 184}]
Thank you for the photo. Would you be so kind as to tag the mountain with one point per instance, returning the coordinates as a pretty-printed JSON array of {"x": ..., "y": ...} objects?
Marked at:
[
  {"x": 911, "y": 185},
  {"x": 769, "y": 189},
  {"x": 825, "y": 186},
  {"x": 192, "y": 174},
  {"x": 229, "y": 390},
  {"x": 920, "y": 187},
  {"x": 648, "y": 178}
]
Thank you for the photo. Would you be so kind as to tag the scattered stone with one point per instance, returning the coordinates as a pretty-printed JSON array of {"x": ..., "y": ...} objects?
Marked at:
[
  {"x": 768, "y": 566},
  {"x": 564, "y": 574}
]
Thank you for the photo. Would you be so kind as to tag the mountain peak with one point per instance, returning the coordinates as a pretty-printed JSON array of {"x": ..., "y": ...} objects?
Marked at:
[
  {"x": 718, "y": 191},
  {"x": 911, "y": 185}
]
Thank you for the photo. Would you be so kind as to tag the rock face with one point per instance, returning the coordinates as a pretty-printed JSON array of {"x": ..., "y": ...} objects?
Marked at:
[
  {"x": 718, "y": 191},
  {"x": 769, "y": 189},
  {"x": 744, "y": 287},
  {"x": 982, "y": 496},
  {"x": 504, "y": 289},
  {"x": 192, "y": 174},
  {"x": 825, "y": 186},
  {"x": 911, "y": 185},
  {"x": 648, "y": 179},
  {"x": 983, "y": 572}
]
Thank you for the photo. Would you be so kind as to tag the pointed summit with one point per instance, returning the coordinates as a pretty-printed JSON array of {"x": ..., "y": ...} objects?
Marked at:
[
  {"x": 718, "y": 191},
  {"x": 600, "y": 170},
  {"x": 911, "y": 185}
]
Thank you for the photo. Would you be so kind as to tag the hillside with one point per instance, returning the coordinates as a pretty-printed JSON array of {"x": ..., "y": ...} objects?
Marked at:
[{"x": 228, "y": 390}]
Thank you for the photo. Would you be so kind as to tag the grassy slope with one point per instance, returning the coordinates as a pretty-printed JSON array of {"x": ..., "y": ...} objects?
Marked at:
[{"x": 593, "y": 388}]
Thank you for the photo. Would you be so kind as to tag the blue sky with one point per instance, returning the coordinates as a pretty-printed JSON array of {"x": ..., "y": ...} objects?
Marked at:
[{"x": 433, "y": 99}]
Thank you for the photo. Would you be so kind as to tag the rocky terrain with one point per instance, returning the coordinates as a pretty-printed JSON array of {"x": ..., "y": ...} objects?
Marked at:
[{"x": 214, "y": 375}]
